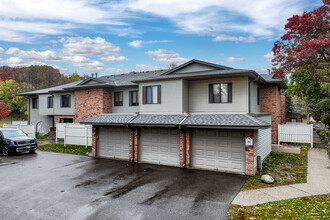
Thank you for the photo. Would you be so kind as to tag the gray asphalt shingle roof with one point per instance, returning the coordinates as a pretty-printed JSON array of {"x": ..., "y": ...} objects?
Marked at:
[{"x": 192, "y": 120}]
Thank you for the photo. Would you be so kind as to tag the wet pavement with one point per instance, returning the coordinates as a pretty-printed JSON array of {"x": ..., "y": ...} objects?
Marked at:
[{"x": 49, "y": 185}]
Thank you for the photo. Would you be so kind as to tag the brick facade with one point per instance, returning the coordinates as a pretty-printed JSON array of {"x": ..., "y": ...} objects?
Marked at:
[
  {"x": 270, "y": 101},
  {"x": 188, "y": 148},
  {"x": 131, "y": 138},
  {"x": 94, "y": 140},
  {"x": 136, "y": 144},
  {"x": 283, "y": 108},
  {"x": 58, "y": 117},
  {"x": 249, "y": 154},
  {"x": 92, "y": 102}
]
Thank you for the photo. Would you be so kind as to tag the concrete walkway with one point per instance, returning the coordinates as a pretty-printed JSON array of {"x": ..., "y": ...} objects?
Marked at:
[{"x": 318, "y": 182}]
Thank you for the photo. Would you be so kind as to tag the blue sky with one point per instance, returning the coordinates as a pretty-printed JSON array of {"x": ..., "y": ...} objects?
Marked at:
[{"x": 112, "y": 37}]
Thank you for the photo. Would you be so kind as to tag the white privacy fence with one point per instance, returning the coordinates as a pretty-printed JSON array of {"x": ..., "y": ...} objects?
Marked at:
[
  {"x": 295, "y": 133},
  {"x": 19, "y": 123},
  {"x": 76, "y": 134},
  {"x": 30, "y": 130}
]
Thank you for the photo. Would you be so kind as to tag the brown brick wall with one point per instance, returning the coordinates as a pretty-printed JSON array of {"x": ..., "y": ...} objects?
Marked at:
[
  {"x": 182, "y": 160},
  {"x": 58, "y": 117},
  {"x": 249, "y": 155},
  {"x": 283, "y": 108},
  {"x": 92, "y": 102},
  {"x": 270, "y": 101},
  {"x": 136, "y": 144},
  {"x": 94, "y": 140},
  {"x": 188, "y": 148}
]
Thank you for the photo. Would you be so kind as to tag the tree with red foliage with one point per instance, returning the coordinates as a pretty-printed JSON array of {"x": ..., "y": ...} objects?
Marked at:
[
  {"x": 303, "y": 53},
  {"x": 4, "y": 110}
]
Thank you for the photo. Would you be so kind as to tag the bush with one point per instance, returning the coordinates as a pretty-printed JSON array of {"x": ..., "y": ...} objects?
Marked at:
[
  {"x": 304, "y": 148},
  {"x": 325, "y": 119}
]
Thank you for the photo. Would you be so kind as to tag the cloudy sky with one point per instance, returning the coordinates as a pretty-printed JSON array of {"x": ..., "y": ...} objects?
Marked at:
[{"x": 112, "y": 37}]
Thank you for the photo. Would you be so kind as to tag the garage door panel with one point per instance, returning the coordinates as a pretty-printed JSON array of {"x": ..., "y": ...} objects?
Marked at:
[
  {"x": 165, "y": 144},
  {"x": 113, "y": 142},
  {"x": 223, "y": 151}
]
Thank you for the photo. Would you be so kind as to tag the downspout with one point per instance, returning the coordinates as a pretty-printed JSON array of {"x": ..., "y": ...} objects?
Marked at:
[
  {"x": 249, "y": 92},
  {"x": 29, "y": 110}
]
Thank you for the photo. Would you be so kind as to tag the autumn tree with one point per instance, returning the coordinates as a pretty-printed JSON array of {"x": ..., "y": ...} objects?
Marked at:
[
  {"x": 4, "y": 110},
  {"x": 303, "y": 53},
  {"x": 8, "y": 95},
  {"x": 74, "y": 77}
]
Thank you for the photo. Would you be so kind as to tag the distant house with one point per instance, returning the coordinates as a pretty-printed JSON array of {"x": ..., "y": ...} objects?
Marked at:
[{"x": 198, "y": 115}]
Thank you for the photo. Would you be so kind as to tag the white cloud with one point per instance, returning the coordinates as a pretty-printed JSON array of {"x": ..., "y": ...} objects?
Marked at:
[
  {"x": 80, "y": 46},
  {"x": 269, "y": 55},
  {"x": 84, "y": 62},
  {"x": 146, "y": 67},
  {"x": 1, "y": 50},
  {"x": 166, "y": 56},
  {"x": 14, "y": 60},
  {"x": 223, "y": 37},
  {"x": 140, "y": 43},
  {"x": 114, "y": 59},
  {"x": 234, "y": 59},
  {"x": 46, "y": 55}
]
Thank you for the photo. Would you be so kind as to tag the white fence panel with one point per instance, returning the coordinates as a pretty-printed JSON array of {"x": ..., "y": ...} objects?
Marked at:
[
  {"x": 296, "y": 133},
  {"x": 30, "y": 130},
  {"x": 76, "y": 134},
  {"x": 19, "y": 122}
]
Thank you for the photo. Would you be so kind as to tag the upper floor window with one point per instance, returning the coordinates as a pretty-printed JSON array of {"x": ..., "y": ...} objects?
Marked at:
[
  {"x": 151, "y": 94},
  {"x": 258, "y": 96},
  {"x": 50, "y": 102},
  {"x": 65, "y": 101},
  {"x": 133, "y": 98},
  {"x": 118, "y": 97},
  {"x": 220, "y": 93},
  {"x": 34, "y": 103}
]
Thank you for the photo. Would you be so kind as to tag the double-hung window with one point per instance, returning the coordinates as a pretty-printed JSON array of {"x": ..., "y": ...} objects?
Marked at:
[
  {"x": 118, "y": 101},
  {"x": 65, "y": 101},
  {"x": 151, "y": 94},
  {"x": 133, "y": 98},
  {"x": 220, "y": 93},
  {"x": 50, "y": 101}
]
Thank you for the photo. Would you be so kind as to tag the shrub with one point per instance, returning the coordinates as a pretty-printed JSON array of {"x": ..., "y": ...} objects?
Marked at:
[
  {"x": 325, "y": 119},
  {"x": 304, "y": 148}
]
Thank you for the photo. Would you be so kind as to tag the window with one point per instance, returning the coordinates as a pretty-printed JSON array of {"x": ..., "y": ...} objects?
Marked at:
[
  {"x": 220, "y": 93},
  {"x": 118, "y": 98},
  {"x": 50, "y": 102},
  {"x": 151, "y": 94},
  {"x": 133, "y": 98},
  {"x": 66, "y": 120},
  {"x": 34, "y": 103},
  {"x": 65, "y": 101},
  {"x": 258, "y": 96}
]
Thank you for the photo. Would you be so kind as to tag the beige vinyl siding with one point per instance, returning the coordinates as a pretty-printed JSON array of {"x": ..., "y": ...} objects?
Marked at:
[
  {"x": 185, "y": 96},
  {"x": 36, "y": 117},
  {"x": 43, "y": 105},
  {"x": 57, "y": 104},
  {"x": 199, "y": 96},
  {"x": 171, "y": 97},
  {"x": 263, "y": 140},
  {"x": 195, "y": 67},
  {"x": 255, "y": 108},
  {"x": 125, "y": 108}
]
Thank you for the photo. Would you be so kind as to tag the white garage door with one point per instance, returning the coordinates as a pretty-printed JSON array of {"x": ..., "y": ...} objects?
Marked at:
[
  {"x": 159, "y": 146},
  {"x": 221, "y": 150},
  {"x": 113, "y": 142}
]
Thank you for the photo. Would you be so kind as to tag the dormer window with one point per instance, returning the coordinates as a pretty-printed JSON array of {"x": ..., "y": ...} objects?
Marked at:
[{"x": 220, "y": 93}]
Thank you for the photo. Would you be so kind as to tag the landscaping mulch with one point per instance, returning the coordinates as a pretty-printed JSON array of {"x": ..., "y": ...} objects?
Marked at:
[{"x": 285, "y": 168}]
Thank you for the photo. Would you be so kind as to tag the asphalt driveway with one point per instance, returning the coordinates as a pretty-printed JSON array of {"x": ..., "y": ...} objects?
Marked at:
[{"x": 49, "y": 185}]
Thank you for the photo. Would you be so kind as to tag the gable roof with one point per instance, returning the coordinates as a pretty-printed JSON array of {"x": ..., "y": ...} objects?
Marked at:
[{"x": 217, "y": 66}]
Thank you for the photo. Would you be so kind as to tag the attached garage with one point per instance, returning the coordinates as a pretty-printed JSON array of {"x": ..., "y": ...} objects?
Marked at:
[
  {"x": 221, "y": 150},
  {"x": 159, "y": 146},
  {"x": 113, "y": 142}
]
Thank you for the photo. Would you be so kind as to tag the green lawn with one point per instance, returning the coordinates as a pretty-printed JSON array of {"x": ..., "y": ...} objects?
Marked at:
[
  {"x": 70, "y": 149},
  {"x": 310, "y": 207},
  {"x": 284, "y": 167}
]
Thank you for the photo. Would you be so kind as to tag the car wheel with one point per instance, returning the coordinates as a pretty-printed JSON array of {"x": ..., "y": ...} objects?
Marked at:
[
  {"x": 5, "y": 150},
  {"x": 32, "y": 151}
]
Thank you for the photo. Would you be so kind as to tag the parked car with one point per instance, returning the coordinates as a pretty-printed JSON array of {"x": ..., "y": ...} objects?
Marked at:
[{"x": 16, "y": 141}]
